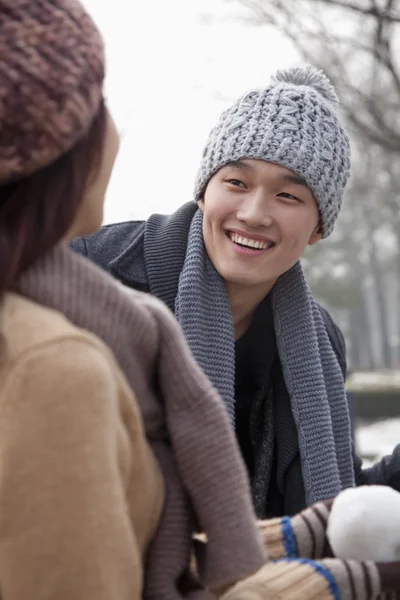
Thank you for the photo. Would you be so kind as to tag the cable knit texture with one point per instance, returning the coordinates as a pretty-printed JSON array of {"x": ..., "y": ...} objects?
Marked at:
[
  {"x": 185, "y": 422},
  {"x": 51, "y": 76},
  {"x": 293, "y": 122},
  {"x": 315, "y": 382}
]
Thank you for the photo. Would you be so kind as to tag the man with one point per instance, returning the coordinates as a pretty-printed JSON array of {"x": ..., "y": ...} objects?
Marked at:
[{"x": 271, "y": 182}]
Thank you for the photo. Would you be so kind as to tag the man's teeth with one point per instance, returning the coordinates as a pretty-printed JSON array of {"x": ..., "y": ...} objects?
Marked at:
[{"x": 248, "y": 242}]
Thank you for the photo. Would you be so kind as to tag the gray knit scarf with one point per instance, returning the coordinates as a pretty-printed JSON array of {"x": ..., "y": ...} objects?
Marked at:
[{"x": 310, "y": 368}]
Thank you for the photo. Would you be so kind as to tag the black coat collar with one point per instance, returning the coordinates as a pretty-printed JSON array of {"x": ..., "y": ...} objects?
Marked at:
[{"x": 152, "y": 257}]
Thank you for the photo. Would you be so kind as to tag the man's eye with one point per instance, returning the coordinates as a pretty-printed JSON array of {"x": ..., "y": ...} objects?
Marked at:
[
  {"x": 290, "y": 197},
  {"x": 236, "y": 182}
]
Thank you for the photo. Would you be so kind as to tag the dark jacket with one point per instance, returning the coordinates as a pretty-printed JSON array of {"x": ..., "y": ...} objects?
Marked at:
[{"x": 149, "y": 256}]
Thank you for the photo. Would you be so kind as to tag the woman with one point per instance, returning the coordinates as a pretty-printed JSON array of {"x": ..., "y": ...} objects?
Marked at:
[
  {"x": 270, "y": 183},
  {"x": 73, "y": 451},
  {"x": 104, "y": 414}
]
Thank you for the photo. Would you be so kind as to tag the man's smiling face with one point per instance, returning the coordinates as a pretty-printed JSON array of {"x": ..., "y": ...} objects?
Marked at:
[{"x": 258, "y": 218}]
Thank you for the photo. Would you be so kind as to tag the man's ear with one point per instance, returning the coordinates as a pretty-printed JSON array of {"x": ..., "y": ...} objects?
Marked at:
[
  {"x": 200, "y": 202},
  {"x": 316, "y": 236}
]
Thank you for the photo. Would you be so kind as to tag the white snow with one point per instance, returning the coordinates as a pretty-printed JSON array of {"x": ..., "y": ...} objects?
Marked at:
[
  {"x": 375, "y": 380},
  {"x": 377, "y": 439}
]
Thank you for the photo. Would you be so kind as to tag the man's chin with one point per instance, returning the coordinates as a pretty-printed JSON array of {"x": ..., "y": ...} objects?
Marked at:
[{"x": 244, "y": 280}]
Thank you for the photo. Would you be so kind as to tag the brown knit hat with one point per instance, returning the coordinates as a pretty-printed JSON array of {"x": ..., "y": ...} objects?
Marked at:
[{"x": 51, "y": 77}]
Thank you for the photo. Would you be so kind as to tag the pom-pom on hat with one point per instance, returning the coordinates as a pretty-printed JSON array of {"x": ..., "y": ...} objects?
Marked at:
[
  {"x": 51, "y": 77},
  {"x": 293, "y": 122}
]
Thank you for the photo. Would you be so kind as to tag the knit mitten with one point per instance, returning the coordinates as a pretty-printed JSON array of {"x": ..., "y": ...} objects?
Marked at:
[
  {"x": 303, "y": 535},
  {"x": 328, "y": 579}
]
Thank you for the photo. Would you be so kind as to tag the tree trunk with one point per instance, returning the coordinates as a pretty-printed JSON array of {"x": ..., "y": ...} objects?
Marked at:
[
  {"x": 381, "y": 307},
  {"x": 360, "y": 351}
]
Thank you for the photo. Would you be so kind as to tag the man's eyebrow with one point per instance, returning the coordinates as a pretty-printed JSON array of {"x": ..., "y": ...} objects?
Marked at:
[
  {"x": 287, "y": 177},
  {"x": 293, "y": 178},
  {"x": 239, "y": 164}
]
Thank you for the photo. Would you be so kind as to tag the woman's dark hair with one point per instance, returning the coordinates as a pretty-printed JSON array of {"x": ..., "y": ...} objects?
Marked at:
[{"x": 37, "y": 211}]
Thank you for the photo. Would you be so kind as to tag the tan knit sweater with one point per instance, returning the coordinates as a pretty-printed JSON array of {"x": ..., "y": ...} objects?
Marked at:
[{"x": 80, "y": 490}]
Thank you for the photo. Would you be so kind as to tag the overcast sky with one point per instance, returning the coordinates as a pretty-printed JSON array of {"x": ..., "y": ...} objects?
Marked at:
[{"x": 172, "y": 67}]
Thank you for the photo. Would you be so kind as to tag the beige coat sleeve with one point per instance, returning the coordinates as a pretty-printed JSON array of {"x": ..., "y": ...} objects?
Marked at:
[{"x": 65, "y": 460}]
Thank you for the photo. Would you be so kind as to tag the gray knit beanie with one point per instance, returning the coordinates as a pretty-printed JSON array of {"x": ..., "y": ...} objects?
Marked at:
[{"x": 293, "y": 122}]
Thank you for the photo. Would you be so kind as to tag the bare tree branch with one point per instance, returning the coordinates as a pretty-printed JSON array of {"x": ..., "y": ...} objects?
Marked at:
[
  {"x": 369, "y": 95},
  {"x": 374, "y": 10}
]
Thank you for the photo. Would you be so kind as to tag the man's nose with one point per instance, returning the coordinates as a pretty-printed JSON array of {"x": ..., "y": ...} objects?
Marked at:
[{"x": 255, "y": 210}]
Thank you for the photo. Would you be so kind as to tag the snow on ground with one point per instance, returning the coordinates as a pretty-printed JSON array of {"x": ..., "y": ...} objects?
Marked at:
[
  {"x": 377, "y": 439},
  {"x": 374, "y": 380}
]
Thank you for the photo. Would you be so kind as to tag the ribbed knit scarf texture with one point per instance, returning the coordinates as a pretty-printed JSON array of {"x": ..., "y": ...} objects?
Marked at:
[
  {"x": 184, "y": 419},
  {"x": 310, "y": 368}
]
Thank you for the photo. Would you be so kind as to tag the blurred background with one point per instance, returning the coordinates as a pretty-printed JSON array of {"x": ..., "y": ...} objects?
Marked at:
[{"x": 174, "y": 66}]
